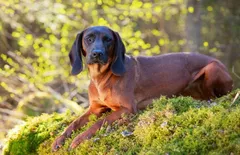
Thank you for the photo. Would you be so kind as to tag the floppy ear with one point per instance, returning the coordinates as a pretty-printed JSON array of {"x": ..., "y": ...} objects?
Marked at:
[
  {"x": 118, "y": 67},
  {"x": 75, "y": 55}
]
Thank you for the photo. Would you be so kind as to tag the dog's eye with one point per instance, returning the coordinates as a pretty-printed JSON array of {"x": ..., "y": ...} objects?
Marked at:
[
  {"x": 107, "y": 39},
  {"x": 90, "y": 39}
]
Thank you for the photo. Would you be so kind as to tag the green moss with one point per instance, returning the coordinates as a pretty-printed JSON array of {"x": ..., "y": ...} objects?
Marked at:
[
  {"x": 26, "y": 138},
  {"x": 178, "y": 125}
]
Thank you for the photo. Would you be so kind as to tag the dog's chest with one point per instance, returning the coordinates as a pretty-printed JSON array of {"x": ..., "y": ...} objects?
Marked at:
[
  {"x": 106, "y": 98},
  {"x": 104, "y": 95}
]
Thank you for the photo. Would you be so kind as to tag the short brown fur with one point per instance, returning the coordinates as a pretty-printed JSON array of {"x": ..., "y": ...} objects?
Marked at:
[{"x": 126, "y": 84}]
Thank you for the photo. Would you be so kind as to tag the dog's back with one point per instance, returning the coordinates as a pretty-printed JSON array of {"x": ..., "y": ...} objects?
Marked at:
[{"x": 170, "y": 74}]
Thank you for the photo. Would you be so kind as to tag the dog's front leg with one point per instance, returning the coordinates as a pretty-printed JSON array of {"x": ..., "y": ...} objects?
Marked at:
[
  {"x": 93, "y": 129},
  {"x": 77, "y": 124}
]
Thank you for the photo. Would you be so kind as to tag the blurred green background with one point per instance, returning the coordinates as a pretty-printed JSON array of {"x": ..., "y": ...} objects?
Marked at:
[{"x": 36, "y": 36}]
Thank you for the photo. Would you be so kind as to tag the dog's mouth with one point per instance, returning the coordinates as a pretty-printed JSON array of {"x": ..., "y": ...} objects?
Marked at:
[{"x": 97, "y": 61}]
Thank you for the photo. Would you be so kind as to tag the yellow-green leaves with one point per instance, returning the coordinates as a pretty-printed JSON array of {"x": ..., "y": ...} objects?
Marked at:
[
  {"x": 190, "y": 9},
  {"x": 205, "y": 44}
]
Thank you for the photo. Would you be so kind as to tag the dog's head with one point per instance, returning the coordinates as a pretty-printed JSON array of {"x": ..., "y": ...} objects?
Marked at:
[{"x": 100, "y": 45}]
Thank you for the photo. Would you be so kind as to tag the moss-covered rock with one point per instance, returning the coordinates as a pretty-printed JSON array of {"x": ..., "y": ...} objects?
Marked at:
[{"x": 178, "y": 125}]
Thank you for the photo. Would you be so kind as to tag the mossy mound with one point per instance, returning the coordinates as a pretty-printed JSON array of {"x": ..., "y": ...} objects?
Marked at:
[{"x": 178, "y": 125}]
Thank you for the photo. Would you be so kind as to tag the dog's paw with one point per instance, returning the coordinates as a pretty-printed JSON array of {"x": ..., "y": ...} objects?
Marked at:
[
  {"x": 58, "y": 143},
  {"x": 77, "y": 140}
]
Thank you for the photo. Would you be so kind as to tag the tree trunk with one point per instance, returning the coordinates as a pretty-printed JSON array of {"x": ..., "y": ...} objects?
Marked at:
[{"x": 193, "y": 25}]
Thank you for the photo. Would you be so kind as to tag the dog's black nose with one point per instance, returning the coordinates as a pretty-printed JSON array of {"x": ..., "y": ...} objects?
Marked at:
[{"x": 97, "y": 53}]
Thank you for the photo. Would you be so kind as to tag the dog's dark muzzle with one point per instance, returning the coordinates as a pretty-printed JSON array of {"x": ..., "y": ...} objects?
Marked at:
[{"x": 98, "y": 56}]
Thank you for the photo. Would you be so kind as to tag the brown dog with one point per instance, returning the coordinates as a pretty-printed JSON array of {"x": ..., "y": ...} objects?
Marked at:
[{"x": 125, "y": 84}]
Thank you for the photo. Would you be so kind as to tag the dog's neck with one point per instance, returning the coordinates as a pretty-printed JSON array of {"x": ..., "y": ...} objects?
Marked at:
[{"x": 99, "y": 73}]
